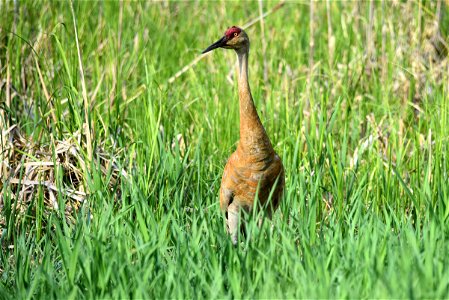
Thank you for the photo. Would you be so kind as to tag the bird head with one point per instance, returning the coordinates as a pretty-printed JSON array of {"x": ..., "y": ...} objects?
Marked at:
[{"x": 234, "y": 38}]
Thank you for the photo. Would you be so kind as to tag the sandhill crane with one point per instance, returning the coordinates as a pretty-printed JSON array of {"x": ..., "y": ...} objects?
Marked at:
[{"x": 254, "y": 168}]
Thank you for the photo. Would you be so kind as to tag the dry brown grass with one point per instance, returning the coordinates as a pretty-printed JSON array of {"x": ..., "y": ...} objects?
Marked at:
[{"x": 54, "y": 169}]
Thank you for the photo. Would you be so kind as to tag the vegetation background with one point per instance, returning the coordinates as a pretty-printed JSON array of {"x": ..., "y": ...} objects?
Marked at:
[{"x": 112, "y": 152}]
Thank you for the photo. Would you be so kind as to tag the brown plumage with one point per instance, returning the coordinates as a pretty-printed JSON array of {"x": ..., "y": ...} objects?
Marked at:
[{"x": 254, "y": 168}]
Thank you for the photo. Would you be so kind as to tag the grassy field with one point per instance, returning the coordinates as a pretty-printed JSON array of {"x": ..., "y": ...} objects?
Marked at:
[{"x": 110, "y": 174}]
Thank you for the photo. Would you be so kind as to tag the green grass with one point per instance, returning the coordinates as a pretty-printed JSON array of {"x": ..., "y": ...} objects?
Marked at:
[{"x": 372, "y": 138}]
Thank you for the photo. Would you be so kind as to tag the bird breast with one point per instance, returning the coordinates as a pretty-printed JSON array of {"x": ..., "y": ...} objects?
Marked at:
[{"x": 246, "y": 175}]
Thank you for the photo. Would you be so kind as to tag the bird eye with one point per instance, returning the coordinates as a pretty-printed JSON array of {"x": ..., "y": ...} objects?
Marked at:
[{"x": 235, "y": 34}]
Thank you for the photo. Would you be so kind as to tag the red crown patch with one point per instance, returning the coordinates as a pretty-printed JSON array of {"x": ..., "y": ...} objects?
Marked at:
[{"x": 231, "y": 30}]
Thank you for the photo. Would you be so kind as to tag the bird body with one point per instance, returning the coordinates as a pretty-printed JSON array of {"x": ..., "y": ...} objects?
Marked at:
[{"x": 254, "y": 171}]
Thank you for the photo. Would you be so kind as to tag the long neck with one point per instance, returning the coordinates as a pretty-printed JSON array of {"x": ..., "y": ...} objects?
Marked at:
[{"x": 253, "y": 138}]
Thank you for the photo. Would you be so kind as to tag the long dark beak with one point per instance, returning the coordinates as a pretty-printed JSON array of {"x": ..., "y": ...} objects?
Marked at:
[{"x": 220, "y": 43}]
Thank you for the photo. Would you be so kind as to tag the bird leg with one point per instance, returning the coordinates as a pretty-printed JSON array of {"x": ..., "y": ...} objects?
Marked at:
[{"x": 233, "y": 221}]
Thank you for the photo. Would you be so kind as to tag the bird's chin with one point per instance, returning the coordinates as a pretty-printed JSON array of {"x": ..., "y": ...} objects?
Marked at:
[{"x": 241, "y": 50}]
